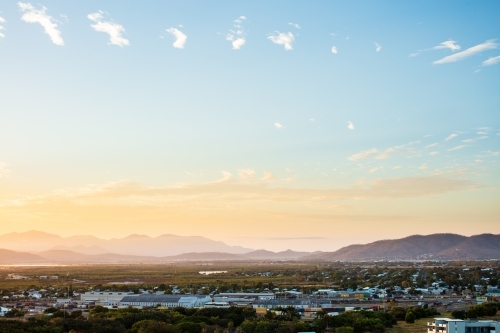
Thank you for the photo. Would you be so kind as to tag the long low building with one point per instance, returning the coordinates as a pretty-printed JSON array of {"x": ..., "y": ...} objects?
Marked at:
[
  {"x": 105, "y": 297},
  {"x": 186, "y": 301},
  {"x": 275, "y": 303},
  {"x": 245, "y": 295}
]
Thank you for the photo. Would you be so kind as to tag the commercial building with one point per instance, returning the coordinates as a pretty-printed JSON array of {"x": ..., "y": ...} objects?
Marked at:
[
  {"x": 3, "y": 311},
  {"x": 446, "y": 325},
  {"x": 493, "y": 292}
]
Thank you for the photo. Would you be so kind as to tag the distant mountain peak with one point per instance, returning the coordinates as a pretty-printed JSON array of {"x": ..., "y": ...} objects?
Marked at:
[{"x": 136, "y": 236}]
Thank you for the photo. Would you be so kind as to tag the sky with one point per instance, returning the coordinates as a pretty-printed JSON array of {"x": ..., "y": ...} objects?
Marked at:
[{"x": 277, "y": 125}]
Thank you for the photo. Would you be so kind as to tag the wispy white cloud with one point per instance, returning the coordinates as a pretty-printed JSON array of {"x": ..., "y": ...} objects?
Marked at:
[
  {"x": 377, "y": 47},
  {"x": 114, "y": 30},
  {"x": 283, "y": 38},
  {"x": 237, "y": 35},
  {"x": 405, "y": 149},
  {"x": 240, "y": 19},
  {"x": 294, "y": 25},
  {"x": 180, "y": 37},
  {"x": 432, "y": 145},
  {"x": 397, "y": 167},
  {"x": 491, "y": 61},
  {"x": 33, "y": 15},
  {"x": 2, "y": 20},
  {"x": 385, "y": 154},
  {"x": 364, "y": 154},
  {"x": 246, "y": 173},
  {"x": 434, "y": 153},
  {"x": 238, "y": 43},
  {"x": 334, "y": 50},
  {"x": 350, "y": 125},
  {"x": 449, "y": 44},
  {"x": 451, "y": 136},
  {"x": 423, "y": 167},
  {"x": 488, "y": 45},
  {"x": 268, "y": 176},
  {"x": 457, "y": 148},
  {"x": 278, "y": 125},
  {"x": 4, "y": 170},
  {"x": 373, "y": 170}
]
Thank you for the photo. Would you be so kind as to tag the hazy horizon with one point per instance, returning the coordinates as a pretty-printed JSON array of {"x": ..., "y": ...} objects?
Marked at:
[{"x": 278, "y": 125}]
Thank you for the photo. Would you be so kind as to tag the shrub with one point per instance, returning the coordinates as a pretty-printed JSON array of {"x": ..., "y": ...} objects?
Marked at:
[{"x": 410, "y": 317}]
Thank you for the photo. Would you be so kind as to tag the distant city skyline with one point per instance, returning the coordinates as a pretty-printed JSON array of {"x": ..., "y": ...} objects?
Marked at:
[{"x": 266, "y": 125}]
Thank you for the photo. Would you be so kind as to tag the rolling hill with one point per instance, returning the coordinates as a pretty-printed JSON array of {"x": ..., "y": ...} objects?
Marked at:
[
  {"x": 269, "y": 255},
  {"x": 435, "y": 246},
  {"x": 13, "y": 257}
]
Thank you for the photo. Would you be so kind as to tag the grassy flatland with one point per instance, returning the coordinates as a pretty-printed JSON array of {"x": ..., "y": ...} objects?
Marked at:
[{"x": 420, "y": 326}]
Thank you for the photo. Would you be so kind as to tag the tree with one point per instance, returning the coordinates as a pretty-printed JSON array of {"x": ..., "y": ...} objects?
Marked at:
[
  {"x": 410, "y": 317},
  {"x": 458, "y": 314},
  {"x": 344, "y": 329}
]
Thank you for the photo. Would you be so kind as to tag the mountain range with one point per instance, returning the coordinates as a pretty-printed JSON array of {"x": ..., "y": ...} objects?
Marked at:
[
  {"x": 40, "y": 247},
  {"x": 435, "y": 246},
  {"x": 137, "y": 245}
]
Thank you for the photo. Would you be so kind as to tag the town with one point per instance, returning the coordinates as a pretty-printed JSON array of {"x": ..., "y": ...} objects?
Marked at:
[{"x": 313, "y": 292}]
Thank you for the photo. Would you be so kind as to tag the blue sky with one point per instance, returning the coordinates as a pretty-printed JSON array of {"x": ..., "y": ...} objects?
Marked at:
[{"x": 408, "y": 99}]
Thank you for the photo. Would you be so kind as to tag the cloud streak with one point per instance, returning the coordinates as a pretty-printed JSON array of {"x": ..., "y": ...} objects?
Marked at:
[
  {"x": 457, "y": 148},
  {"x": 377, "y": 47},
  {"x": 451, "y": 136},
  {"x": 229, "y": 190},
  {"x": 350, "y": 125},
  {"x": 180, "y": 37},
  {"x": 449, "y": 44},
  {"x": 384, "y": 154},
  {"x": 491, "y": 61},
  {"x": 33, "y": 15},
  {"x": 283, "y": 38},
  {"x": 364, "y": 154},
  {"x": 488, "y": 45},
  {"x": 114, "y": 30}
]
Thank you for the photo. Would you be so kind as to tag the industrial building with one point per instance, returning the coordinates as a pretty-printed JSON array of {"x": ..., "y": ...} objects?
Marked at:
[{"x": 186, "y": 301}]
